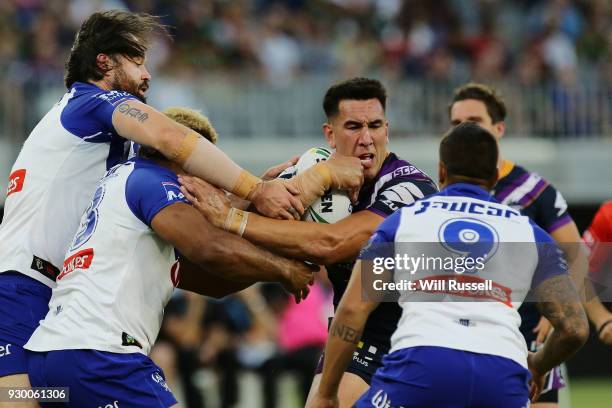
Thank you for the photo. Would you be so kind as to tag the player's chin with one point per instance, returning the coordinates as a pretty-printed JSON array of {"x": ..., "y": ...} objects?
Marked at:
[{"x": 370, "y": 173}]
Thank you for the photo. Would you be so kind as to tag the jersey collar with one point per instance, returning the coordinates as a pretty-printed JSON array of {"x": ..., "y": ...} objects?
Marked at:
[
  {"x": 82, "y": 85},
  {"x": 506, "y": 168},
  {"x": 467, "y": 190}
]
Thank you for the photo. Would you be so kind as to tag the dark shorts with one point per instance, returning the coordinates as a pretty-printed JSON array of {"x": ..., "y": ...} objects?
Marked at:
[
  {"x": 438, "y": 377},
  {"x": 101, "y": 379},
  {"x": 23, "y": 304},
  {"x": 367, "y": 358}
]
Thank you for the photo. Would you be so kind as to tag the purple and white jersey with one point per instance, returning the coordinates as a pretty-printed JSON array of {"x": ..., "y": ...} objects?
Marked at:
[
  {"x": 397, "y": 185},
  {"x": 54, "y": 177},
  {"x": 118, "y": 274}
]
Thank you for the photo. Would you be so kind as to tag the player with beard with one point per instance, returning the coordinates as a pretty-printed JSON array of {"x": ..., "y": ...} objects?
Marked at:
[
  {"x": 356, "y": 126},
  {"x": 83, "y": 135}
]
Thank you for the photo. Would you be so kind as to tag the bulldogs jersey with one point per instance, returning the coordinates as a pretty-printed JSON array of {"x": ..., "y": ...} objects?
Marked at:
[
  {"x": 118, "y": 275},
  {"x": 539, "y": 200},
  {"x": 397, "y": 184},
  {"x": 440, "y": 226},
  {"x": 53, "y": 178}
]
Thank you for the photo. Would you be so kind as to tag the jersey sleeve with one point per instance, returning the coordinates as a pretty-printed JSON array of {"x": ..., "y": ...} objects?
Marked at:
[
  {"x": 400, "y": 192},
  {"x": 598, "y": 238},
  {"x": 551, "y": 261},
  {"x": 382, "y": 242},
  {"x": 90, "y": 116},
  {"x": 148, "y": 191},
  {"x": 551, "y": 211}
]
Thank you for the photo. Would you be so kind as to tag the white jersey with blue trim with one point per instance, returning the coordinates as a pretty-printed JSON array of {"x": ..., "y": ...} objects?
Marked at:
[
  {"x": 118, "y": 275},
  {"x": 463, "y": 221},
  {"x": 54, "y": 177}
]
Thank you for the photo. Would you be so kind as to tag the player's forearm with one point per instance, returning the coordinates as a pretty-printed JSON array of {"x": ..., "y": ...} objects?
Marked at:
[
  {"x": 321, "y": 244},
  {"x": 559, "y": 303},
  {"x": 560, "y": 345},
  {"x": 344, "y": 335},
  {"x": 596, "y": 311},
  {"x": 198, "y": 280},
  {"x": 183, "y": 146},
  {"x": 237, "y": 259},
  {"x": 578, "y": 263}
]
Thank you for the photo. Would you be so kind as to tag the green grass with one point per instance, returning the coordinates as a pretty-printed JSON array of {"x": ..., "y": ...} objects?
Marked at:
[{"x": 591, "y": 393}]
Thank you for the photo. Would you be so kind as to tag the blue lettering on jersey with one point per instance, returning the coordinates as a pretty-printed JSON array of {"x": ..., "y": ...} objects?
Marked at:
[{"x": 467, "y": 208}]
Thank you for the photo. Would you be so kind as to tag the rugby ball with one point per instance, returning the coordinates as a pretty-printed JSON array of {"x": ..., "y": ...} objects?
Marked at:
[{"x": 334, "y": 205}]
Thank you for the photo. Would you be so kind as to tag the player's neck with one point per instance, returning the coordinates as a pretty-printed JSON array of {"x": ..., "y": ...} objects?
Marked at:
[
  {"x": 102, "y": 84},
  {"x": 466, "y": 180}
]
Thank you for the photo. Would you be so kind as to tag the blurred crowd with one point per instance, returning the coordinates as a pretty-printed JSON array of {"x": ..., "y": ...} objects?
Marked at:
[
  {"x": 280, "y": 40},
  {"x": 261, "y": 330}
]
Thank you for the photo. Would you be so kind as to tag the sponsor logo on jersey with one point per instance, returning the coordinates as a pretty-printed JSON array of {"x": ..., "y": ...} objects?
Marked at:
[
  {"x": 16, "y": 180},
  {"x": 157, "y": 377},
  {"x": 80, "y": 260},
  {"x": 381, "y": 400},
  {"x": 113, "y": 97},
  {"x": 173, "y": 191},
  {"x": 44, "y": 267},
  {"x": 405, "y": 171},
  {"x": 127, "y": 340}
]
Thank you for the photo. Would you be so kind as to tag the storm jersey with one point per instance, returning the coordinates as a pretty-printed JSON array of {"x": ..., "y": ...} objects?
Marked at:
[
  {"x": 398, "y": 184},
  {"x": 53, "y": 178},
  {"x": 462, "y": 219},
  {"x": 118, "y": 275},
  {"x": 536, "y": 198}
]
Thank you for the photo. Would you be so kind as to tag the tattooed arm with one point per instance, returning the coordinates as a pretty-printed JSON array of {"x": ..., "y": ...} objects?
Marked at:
[
  {"x": 143, "y": 124},
  {"x": 344, "y": 334},
  {"x": 559, "y": 302}
]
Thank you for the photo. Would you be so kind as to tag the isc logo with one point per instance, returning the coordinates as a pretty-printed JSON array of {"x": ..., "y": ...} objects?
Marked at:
[{"x": 16, "y": 180}]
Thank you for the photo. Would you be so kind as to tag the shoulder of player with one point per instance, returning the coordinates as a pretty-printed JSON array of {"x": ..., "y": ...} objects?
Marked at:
[
  {"x": 151, "y": 171},
  {"x": 83, "y": 93},
  {"x": 399, "y": 167}
]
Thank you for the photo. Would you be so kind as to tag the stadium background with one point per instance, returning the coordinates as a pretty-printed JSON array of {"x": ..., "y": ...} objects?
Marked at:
[{"x": 259, "y": 68}]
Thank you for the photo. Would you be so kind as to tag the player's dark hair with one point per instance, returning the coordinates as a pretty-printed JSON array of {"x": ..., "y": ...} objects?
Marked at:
[
  {"x": 496, "y": 108},
  {"x": 469, "y": 152},
  {"x": 360, "y": 89},
  {"x": 113, "y": 33}
]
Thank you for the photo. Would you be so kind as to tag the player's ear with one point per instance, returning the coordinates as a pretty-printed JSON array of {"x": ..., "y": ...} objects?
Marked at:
[
  {"x": 500, "y": 128},
  {"x": 104, "y": 62},
  {"x": 328, "y": 132},
  {"x": 387, "y": 130}
]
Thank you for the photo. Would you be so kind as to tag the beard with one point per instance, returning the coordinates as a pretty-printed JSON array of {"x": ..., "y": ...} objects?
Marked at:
[{"x": 124, "y": 83}]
